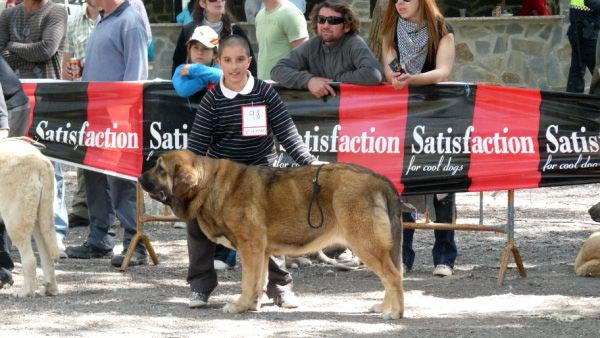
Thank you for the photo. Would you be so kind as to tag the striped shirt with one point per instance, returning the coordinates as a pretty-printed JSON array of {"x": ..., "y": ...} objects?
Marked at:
[
  {"x": 217, "y": 129},
  {"x": 33, "y": 43},
  {"x": 78, "y": 34}
]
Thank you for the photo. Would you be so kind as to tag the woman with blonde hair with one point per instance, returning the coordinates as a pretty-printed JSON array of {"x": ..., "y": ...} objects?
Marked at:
[{"x": 418, "y": 49}]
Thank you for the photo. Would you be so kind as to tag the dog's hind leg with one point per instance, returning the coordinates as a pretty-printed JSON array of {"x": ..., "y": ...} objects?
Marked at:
[
  {"x": 253, "y": 267},
  {"x": 29, "y": 265},
  {"x": 590, "y": 268},
  {"x": 380, "y": 262},
  {"x": 45, "y": 235},
  {"x": 19, "y": 226},
  {"x": 47, "y": 262}
]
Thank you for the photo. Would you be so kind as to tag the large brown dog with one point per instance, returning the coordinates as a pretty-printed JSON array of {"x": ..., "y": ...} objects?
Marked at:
[
  {"x": 587, "y": 263},
  {"x": 262, "y": 211},
  {"x": 27, "y": 209}
]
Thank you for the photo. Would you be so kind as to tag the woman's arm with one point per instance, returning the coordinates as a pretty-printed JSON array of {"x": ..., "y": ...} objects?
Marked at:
[
  {"x": 388, "y": 54},
  {"x": 444, "y": 61}
]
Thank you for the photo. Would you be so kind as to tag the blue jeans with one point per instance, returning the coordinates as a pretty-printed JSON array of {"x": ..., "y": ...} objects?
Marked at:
[
  {"x": 109, "y": 197},
  {"x": 61, "y": 218},
  {"x": 444, "y": 248}
]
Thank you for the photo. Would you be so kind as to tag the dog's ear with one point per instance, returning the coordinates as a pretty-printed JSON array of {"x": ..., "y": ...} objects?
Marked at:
[{"x": 185, "y": 180}]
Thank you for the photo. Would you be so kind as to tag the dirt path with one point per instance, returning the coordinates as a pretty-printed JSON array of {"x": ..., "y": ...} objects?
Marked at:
[{"x": 147, "y": 301}]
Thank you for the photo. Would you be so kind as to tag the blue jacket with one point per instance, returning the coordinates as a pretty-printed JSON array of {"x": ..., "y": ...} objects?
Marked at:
[{"x": 198, "y": 78}]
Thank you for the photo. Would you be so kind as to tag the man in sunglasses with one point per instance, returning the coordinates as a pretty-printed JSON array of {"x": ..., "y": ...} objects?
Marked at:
[{"x": 337, "y": 53}]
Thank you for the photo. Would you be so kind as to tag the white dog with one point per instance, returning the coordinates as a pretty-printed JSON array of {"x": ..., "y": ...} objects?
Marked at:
[
  {"x": 587, "y": 263},
  {"x": 27, "y": 209}
]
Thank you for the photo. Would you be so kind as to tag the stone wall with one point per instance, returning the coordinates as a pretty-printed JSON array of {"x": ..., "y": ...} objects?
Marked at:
[
  {"x": 528, "y": 52},
  {"x": 513, "y": 51}
]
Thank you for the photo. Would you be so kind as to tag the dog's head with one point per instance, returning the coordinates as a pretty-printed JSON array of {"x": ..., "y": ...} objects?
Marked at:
[{"x": 176, "y": 176}]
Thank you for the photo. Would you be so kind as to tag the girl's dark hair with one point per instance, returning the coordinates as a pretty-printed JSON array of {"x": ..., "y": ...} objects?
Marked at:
[
  {"x": 227, "y": 18},
  {"x": 233, "y": 40}
]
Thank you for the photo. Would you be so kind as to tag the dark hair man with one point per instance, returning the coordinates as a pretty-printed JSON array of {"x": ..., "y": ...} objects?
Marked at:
[{"x": 336, "y": 53}]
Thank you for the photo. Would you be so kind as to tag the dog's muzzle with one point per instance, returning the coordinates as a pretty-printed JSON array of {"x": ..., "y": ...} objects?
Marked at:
[{"x": 159, "y": 196}]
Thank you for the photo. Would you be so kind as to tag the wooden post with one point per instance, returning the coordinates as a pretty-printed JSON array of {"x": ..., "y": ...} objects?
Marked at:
[{"x": 140, "y": 235}]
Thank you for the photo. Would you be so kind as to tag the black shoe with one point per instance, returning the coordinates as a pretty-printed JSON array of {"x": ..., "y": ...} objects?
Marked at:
[
  {"x": 87, "y": 251},
  {"x": 198, "y": 299},
  {"x": 137, "y": 258},
  {"x": 5, "y": 277},
  {"x": 77, "y": 221}
]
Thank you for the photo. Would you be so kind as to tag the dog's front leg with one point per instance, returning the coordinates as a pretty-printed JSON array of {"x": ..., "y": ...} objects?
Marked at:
[
  {"x": 253, "y": 277},
  {"x": 261, "y": 285}
]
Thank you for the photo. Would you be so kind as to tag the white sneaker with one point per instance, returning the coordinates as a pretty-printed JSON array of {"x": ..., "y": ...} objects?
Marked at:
[
  {"x": 348, "y": 258},
  {"x": 442, "y": 270},
  {"x": 346, "y": 255},
  {"x": 286, "y": 300},
  {"x": 220, "y": 265}
]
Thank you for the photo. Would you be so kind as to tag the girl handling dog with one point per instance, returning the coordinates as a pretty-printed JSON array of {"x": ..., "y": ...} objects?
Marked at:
[{"x": 239, "y": 120}]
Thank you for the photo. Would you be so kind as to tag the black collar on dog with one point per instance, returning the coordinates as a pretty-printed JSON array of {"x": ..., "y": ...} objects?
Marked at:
[{"x": 315, "y": 198}]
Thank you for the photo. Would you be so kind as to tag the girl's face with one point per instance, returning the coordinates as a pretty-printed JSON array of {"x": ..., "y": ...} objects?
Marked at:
[
  {"x": 235, "y": 63},
  {"x": 213, "y": 9},
  {"x": 199, "y": 53},
  {"x": 408, "y": 10}
]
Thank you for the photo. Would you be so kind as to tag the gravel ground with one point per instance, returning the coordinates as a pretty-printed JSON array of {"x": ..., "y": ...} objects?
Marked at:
[{"x": 551, "y": 223}]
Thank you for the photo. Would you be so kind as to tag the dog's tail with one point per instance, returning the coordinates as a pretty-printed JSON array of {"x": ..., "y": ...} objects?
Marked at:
[
  {"x": 394, "y": 213},
  {"x": 46, "y": 210}
]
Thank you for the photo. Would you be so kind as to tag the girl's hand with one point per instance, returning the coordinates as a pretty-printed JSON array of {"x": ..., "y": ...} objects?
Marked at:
[
  {"x": 185, "y": 70},
  {"x": 400, "y": 80},
  {"x": 3, "y": 134}
]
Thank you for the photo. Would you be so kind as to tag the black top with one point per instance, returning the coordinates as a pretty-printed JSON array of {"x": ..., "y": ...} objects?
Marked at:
[
  {"x": 430, "y": 64},
  {"x": 217, "y": 129},
  {"x": 180, "y": 54},
  {"x": 11, "y": 86}
]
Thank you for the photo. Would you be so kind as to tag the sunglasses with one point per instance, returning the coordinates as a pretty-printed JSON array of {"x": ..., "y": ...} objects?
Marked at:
[
  {"x": 332, "y": 20},
  {"x": 396, "y": 1}
]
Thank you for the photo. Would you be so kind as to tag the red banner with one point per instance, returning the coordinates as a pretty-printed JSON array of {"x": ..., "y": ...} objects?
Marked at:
[{"x": 442, "y": 138}]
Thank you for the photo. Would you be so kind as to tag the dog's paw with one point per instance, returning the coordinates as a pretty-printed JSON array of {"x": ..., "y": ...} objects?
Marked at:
[
  {"x": 234, "y": 308},
  {"x": 377, "y": 308},
  {"x": 49, "y": 290},
  {"x": 255, "y": 306},
  {"x": 391, "y": 315},
  {"x": 24, "y": 294}
]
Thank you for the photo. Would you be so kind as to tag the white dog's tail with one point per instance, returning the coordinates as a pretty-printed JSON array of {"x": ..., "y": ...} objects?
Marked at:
[{"x": 46, "y": 211}]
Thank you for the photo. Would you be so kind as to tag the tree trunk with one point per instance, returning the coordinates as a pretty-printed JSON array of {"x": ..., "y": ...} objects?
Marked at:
[{"x": 374, "y": 38}]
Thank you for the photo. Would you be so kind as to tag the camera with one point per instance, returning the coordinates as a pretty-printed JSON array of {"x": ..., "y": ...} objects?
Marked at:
[{"x": 396, "y": 66}]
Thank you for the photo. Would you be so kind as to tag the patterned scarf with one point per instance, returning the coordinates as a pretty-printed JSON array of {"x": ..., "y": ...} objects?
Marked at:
[
  {"x": 412, "y": 41},
  {"x": 216, "y": 26}
]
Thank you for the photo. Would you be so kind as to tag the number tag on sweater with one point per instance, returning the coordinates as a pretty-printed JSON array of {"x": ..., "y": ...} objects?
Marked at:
[{"x": 254, "y": 121}]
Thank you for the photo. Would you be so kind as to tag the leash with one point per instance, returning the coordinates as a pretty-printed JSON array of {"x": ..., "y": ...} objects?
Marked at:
[{"x": 315, "y": 198}]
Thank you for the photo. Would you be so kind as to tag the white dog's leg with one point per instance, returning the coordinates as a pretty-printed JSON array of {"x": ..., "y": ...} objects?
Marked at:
[
  {"x": 29, "y": 264},
  {"x": 50, "y": 287}
]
